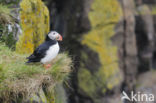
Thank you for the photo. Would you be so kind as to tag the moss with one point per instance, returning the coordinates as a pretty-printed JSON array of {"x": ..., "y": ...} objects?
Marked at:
[
  {"x": 35, "y": 24},
  {"x": 104, "y": 17}
]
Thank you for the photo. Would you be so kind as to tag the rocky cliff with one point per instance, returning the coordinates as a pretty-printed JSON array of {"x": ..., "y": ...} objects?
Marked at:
[{"x": 112, "y": 43}]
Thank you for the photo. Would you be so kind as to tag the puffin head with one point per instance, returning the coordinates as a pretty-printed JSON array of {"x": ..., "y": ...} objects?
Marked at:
[{"x": 53, "y": 35}]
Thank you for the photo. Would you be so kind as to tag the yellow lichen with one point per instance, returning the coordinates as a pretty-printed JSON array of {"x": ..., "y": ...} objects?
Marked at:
[
  {"x": 104, "y": 16},
  {"x": 35, "y": 25}
]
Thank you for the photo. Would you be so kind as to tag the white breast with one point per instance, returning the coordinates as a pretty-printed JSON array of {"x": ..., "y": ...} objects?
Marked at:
[{"x": 51, "y": 53}]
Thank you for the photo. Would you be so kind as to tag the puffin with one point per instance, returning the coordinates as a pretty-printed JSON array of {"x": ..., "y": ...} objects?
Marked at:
[{"x": 47, "y": 51}]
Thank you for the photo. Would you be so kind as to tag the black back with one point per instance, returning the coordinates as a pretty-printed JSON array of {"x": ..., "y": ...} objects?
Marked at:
[{"x": 40, "y": 51}]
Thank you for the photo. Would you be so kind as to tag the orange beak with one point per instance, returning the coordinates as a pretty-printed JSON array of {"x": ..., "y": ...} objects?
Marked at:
[{"x": 59, "y": 38}]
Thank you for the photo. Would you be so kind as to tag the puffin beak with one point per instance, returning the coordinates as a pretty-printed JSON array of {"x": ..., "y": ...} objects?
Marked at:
[{"x": 59, "y": 38}]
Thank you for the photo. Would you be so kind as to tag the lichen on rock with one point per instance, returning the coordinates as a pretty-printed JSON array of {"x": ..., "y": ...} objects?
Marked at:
[
  {"x": 35, "y": 25},
  {"x": 104, "y": 17}
]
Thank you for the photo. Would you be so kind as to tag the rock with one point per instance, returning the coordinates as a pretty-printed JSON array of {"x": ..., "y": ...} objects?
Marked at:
[
  {"x": 145, "y": 37},
  {"x": 34, "y": 17}
]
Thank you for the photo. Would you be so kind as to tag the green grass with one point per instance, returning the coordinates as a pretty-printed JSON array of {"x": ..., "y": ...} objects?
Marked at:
[
  {"x": 5, "y": 15},
  {"x": 4, "y": 9},
  {"x": 18, "y": 78}
]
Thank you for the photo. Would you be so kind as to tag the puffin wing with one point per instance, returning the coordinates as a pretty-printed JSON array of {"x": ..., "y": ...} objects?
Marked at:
[{"x": 39, "y": 53}]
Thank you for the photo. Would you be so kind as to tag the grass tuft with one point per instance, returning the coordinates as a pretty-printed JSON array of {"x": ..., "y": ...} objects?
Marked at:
[{"x": 20, "y": 80}]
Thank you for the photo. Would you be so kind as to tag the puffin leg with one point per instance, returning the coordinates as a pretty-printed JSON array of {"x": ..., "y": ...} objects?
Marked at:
[{"x": 46, "y": 66}]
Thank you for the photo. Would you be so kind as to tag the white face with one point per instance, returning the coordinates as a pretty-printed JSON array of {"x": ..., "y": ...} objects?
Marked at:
[{"x": 53, "y": 35}]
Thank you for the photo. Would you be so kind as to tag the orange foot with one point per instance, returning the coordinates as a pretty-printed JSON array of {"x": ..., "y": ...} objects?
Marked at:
[{"x": 47, "y": 66}]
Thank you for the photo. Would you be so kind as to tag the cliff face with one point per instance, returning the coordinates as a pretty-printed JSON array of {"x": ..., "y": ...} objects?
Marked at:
[
  {"x": 99, "y": 66},
  {"x": 112, "y": 44},
  {"x": 120, "y": 36}
]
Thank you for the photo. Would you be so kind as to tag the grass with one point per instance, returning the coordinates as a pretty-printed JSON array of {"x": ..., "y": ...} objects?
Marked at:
[
  {"x": 4, "y": 9},
  {"x": 18, "y": 79},
  {"x": 5, "y": 16}
]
